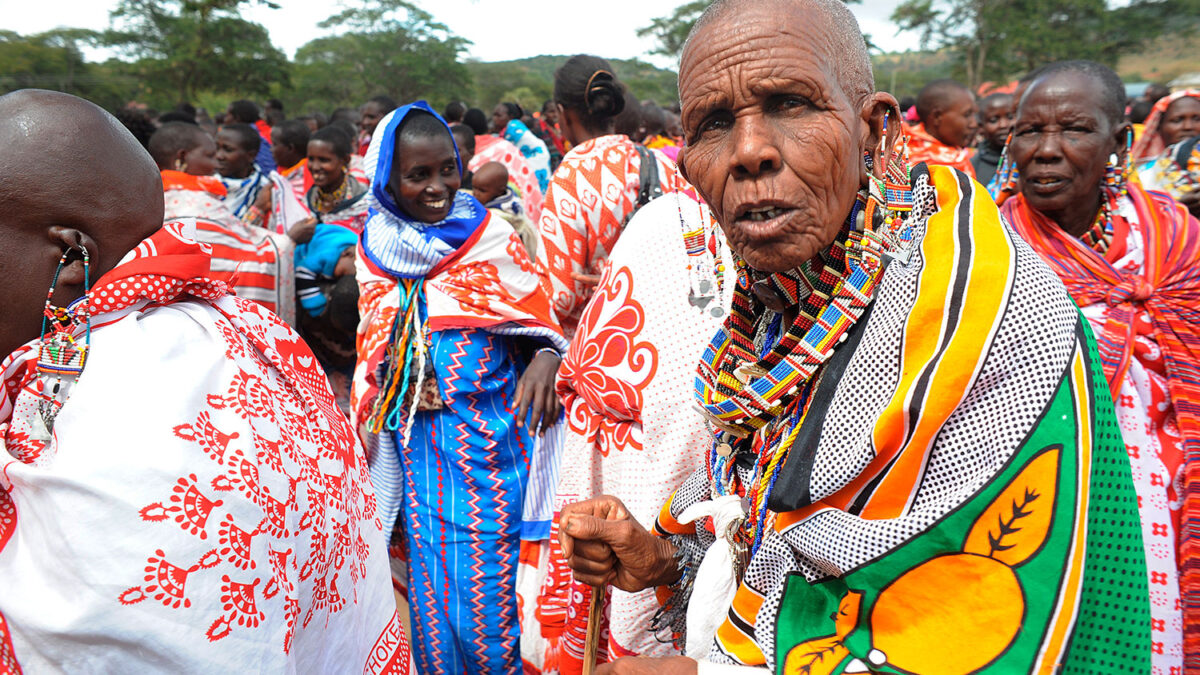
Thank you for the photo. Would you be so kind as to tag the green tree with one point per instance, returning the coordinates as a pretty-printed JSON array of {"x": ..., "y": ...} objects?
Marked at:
[
  {"x": 182, "y": 47},
  {"x": 997, "y": 39},
  {"x": 385, "y": 47},
  {"x": 671, "y": 31},
  {"x": 54, "y": 60},
  {"x": 494, "y": 82}
]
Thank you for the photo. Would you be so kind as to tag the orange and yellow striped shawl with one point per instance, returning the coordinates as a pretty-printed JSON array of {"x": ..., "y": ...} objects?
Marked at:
[
  {"x": 952, "y": 482},
  {"x": 1169, "y": 291}
]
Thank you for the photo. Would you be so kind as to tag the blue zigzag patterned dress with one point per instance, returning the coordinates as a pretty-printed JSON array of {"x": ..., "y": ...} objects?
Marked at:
[{"x": 465, "y": 471}]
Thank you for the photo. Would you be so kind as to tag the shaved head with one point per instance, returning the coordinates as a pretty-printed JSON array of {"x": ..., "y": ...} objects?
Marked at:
[
  {"x": 72, "y": 176},
  {"x": 848, "y": 50},
  {"x": 948, "y": 111},
  {"x": 779, "y": 108},
  {"x": 173, "y": 138},
  {"x": 937, "y": 95}
]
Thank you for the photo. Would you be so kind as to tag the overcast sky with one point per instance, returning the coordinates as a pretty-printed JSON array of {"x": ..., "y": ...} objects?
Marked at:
[{"x": 499, "y": 29}]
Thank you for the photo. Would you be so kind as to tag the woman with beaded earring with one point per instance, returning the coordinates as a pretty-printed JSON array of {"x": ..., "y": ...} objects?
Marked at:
[
  {"x": 597, "y": 186},
  {"x": 1131, "y": 260}
]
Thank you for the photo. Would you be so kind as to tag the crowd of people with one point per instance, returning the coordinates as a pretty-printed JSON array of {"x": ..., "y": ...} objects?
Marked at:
[{"x": 787, "y": 374}]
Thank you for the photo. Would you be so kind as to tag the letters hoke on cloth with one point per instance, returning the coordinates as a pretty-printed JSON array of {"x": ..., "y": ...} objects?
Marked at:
[{"x": 203, "y": 506}]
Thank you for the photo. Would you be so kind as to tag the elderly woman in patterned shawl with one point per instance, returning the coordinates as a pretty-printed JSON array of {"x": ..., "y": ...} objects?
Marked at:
[
  {"x": 915, "y": 467},
  {"x": 1130, "y": 258}
]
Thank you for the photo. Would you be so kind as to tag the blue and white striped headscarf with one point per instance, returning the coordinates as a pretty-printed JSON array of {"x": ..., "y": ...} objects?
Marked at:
[{"x": 392, "y": 239}]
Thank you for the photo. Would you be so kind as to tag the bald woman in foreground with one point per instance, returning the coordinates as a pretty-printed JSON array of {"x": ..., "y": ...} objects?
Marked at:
[
  {"x": 178, "y": 492},
  {"x": 920, "y": 472}
]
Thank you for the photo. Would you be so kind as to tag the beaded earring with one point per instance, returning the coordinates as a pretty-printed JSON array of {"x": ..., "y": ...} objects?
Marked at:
[
  {"x": 60, "y": 357},
  {"x": 701, "y": 289},
  {"x": 1004, "y": 183},
  {"x": 1116, "y": 172}
]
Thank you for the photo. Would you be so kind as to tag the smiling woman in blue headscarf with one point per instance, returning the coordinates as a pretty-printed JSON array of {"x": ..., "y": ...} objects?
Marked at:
[{"x": 452, "y": 312}]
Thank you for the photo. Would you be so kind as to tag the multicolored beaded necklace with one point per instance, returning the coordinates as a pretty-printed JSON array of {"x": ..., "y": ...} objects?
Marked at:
[
  {"x": 326, "y": 201},
  {"x": 756, "y": 400},
  {"x": 404, "y": 368},
  {"x": 1100, "y": 235},
  {"x": 756, "y": 397}
]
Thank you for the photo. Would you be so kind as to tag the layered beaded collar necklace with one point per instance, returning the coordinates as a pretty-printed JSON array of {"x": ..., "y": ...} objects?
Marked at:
[
  {"x": 739, "y": 391},
  {"x": 755, "y": 396},
  {"x": 1100, "y": 235},
  {"x": 328, "y": 201}
]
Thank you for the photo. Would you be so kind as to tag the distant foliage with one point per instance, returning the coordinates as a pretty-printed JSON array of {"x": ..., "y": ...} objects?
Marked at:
[
  {"x": 1000, "y": 39},
  {"x": 204, "y": 52},
  {"x": 54, "y": 60},
  {"x": 671, "y": 31},
  {"x": 381, "y": 47},
  {"x": 180, "y": 48},
  {"x": 495, "y": 81}
]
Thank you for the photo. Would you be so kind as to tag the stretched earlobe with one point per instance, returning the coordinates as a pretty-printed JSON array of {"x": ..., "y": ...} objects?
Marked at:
[
  {"x": 69, "y": 239},
  {"x": 882, "y": 117}
]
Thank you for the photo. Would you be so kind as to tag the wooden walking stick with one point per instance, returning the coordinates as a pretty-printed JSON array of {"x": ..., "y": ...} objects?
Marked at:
[{"x": 592, "y": 643}]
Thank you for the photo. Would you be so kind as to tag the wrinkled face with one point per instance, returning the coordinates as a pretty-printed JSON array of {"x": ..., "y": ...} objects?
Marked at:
[
  {"x": 1061, "y": 144},
  {"x": 328, "y": 169},
  {"x": 774, "y": 145},
  {"x": 996, "y": 121},
  {"x": 1181, "y": 120},
  {"x": 425, "y": 177},
  {"x": 958, "y": 121},
  {"x": 201, "y": 160},
  {"x": 233, "y": 160},
  {"x": 372, "y": 112},
  {"x": 500, "y": 118}
]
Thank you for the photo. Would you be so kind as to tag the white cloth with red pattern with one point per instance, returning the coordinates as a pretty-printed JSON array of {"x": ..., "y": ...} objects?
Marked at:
[
  {"x": 632, "y": 430},
  {"x": 202, "y": 506},
  {"x": 1152, "y": 439}
]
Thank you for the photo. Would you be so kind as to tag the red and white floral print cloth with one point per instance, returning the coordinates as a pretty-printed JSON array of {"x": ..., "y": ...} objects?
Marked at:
[
  {"x": 202, "y": 505},
  {"x": 632, "y": 430},
  {"x": 1147, "y": 420}
]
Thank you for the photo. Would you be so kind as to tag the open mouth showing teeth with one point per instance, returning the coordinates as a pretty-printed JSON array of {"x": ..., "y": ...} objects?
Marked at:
[
  {"x": 1046, "y": 181},
  {"x": 439, "y": 204},
  {"x": 759, "y": 215}
]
